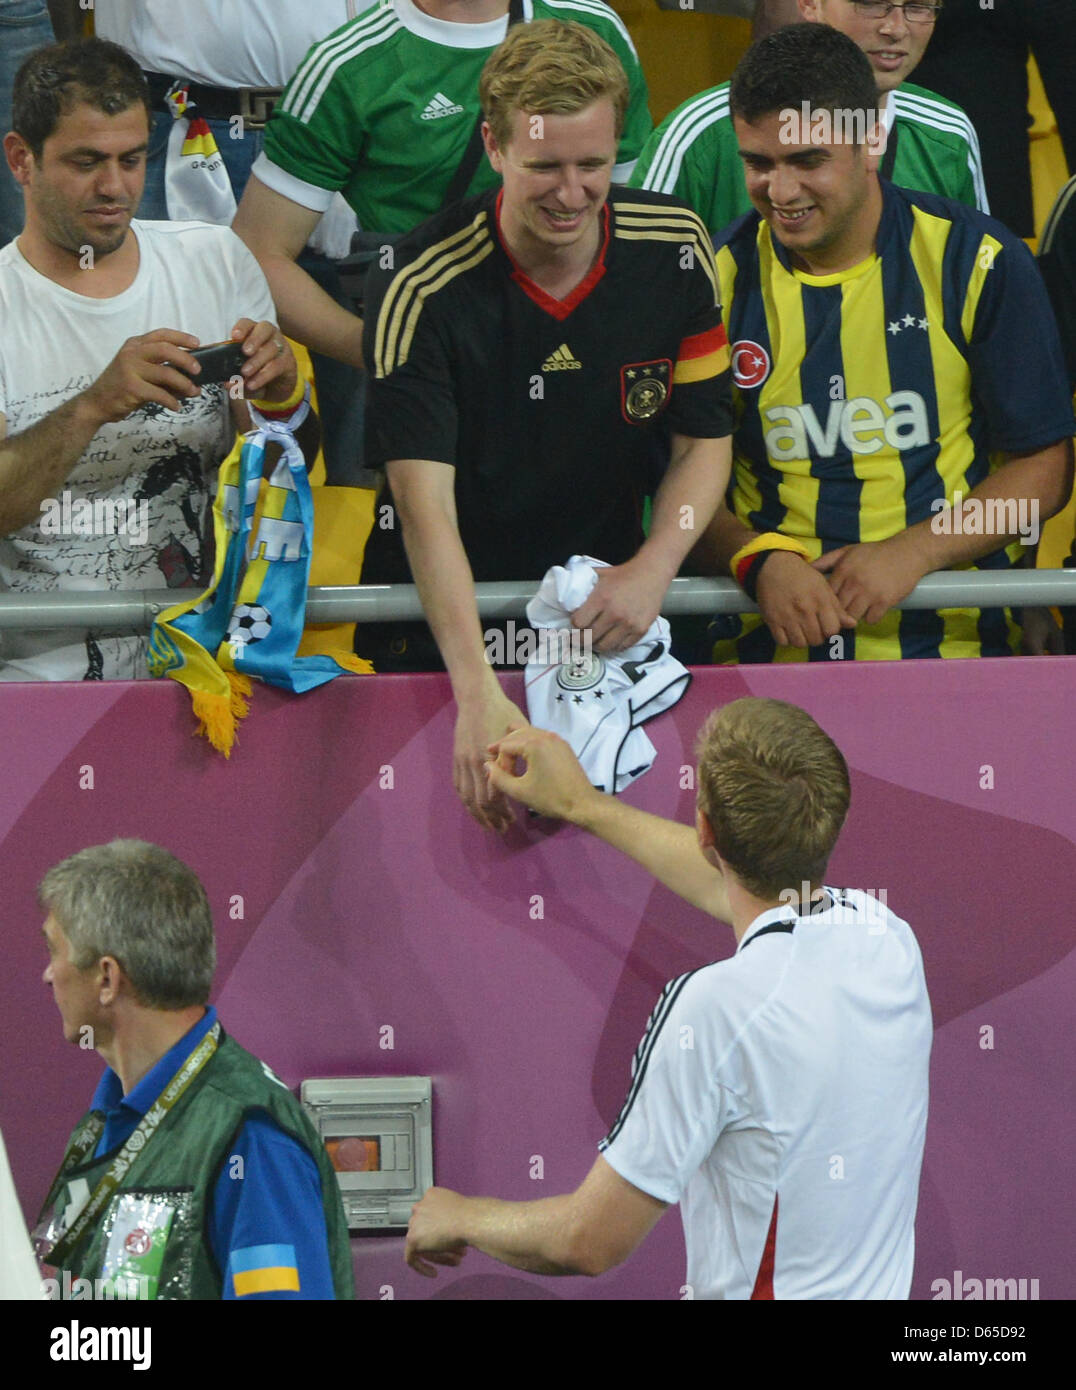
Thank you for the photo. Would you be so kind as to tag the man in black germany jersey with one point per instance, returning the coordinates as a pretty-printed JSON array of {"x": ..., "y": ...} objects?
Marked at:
[{"x": 520, "y": 361}]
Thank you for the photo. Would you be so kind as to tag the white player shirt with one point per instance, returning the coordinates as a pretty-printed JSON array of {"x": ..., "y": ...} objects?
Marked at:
[
  {"x": 598, "y": 704},
  {"x": 222, "y": 43},
  {"x": 780, "y": 1097},
  {"x": 130, "y": 514}
]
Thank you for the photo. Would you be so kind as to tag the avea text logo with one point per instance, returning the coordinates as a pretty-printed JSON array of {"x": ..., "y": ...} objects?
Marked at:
[{"x": 861, "y": 424}]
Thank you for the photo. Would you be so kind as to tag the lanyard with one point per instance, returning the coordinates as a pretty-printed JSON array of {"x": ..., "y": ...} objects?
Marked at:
[{"x": 136, "y": 1142}]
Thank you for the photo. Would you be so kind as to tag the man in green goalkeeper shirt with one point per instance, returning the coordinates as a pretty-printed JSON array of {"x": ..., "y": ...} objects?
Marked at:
[
  {"x": 931, "y": 145},
  {"x": 383, "y": 111}
]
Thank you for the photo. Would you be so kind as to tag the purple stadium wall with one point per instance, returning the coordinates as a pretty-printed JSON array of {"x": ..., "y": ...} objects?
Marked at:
[{"x": 367, "y": 906}]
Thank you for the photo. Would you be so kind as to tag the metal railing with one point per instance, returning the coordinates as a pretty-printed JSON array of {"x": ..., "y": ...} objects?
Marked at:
[{"x": 135, "y": 609}]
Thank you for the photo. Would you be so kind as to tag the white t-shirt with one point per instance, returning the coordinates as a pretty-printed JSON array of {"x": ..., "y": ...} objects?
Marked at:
[
  {"x": 130, "y": 514},
  {"x": 221, "y": 43},
  {"x": 780, "y": 1097},
  {"x": 19, "y": 1277}
]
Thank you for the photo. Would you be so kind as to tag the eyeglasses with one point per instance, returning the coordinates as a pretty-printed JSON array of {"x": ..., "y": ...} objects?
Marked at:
[{"x": 914, "y": 11}]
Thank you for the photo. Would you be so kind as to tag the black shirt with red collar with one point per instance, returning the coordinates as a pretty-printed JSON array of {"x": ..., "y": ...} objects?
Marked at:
[{"x": 543, "y": 407}]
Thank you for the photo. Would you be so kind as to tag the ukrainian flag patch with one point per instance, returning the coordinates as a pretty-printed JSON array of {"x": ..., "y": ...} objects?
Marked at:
[{"x": 264, "y": 1269}]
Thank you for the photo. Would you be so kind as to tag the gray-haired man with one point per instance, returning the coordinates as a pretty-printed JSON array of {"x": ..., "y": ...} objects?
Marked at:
[{"x": 195, "y": 1173}]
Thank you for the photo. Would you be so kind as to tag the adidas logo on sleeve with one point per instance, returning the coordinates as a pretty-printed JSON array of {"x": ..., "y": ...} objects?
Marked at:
[{"x": 441, "y": 106}]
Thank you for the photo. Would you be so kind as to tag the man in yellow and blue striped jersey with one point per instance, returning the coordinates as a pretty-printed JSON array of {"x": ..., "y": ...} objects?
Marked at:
[{"x": 901, "y": 399}]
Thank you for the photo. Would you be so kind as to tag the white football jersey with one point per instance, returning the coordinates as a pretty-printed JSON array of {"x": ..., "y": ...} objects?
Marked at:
[
  {"x": 780, "y": 1096},
  {"x": 597, "y": 702}
]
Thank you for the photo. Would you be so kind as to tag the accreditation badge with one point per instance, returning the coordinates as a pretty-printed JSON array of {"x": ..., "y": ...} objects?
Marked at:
[
  {"x": 139, "y": 1225},
  {"x": 644, "y": 389}
]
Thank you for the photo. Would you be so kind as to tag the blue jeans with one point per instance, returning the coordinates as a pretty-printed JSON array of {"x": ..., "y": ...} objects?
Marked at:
[
  {"x": 341, "y": 389},
  {"x": 24, "y": 27}
]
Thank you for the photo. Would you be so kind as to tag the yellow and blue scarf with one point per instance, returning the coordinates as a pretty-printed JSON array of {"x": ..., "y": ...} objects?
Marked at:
[{"x": 249, "y": 621}]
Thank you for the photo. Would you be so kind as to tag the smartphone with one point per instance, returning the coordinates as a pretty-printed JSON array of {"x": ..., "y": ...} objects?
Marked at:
[{"x": 219, "y": 361}]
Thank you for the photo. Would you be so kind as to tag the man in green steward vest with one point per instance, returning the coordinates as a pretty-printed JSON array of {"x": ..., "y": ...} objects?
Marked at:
[{"x": 195, "y": 1173}]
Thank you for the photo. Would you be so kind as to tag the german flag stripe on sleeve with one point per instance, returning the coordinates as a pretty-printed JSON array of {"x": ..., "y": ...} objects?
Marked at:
[{"x": 702, "y": 356}]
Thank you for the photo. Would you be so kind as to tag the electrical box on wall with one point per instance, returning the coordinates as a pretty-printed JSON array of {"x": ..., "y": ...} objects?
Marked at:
[{"x": 378, "y": 1134}]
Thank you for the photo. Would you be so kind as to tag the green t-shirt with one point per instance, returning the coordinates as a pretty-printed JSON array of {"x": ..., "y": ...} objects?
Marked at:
[
  {"x": 383, "y": 110},
  {"x": 694, "y": 154}
]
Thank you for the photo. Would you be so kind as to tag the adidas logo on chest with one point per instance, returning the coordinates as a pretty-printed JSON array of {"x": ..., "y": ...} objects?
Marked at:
[
  {"x": 562, "y": 361},
  {"x": 441, "y": 106}
]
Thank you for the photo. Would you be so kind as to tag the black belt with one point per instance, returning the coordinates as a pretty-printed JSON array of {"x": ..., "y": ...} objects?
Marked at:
[{"x": 253, "y": 104}]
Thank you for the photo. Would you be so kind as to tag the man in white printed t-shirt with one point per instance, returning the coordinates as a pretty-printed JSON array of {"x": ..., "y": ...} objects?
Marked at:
[
  {"x": 237, "y": 56},
  {"x": 779, "y": 1096},
  {"x": 106, "y": 439}
]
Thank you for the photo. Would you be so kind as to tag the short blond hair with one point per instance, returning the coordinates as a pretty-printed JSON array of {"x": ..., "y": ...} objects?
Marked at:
[
  {"x": 550, "y": 68},
  {"x": 775, "y": 789}
]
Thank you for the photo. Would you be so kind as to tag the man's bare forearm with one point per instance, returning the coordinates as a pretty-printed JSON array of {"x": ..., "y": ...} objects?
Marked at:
[
  {"x": 1043, "y": 478},
  {"x": 533, "y": 1236},
  {"x": 665, "y": 848},
  {"x": 276, "y": 228},
  {"x": 35, "y": 463},
  {"x": 587, "y": 1231},
  {"x": 445, "y": 584},
  {"x": 308, "y": 314},
  {"x": 725, "y": 535},
  {"x": 686, "y": 501}
]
